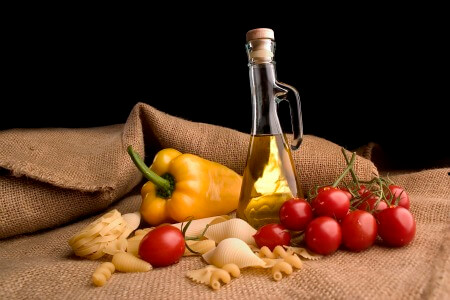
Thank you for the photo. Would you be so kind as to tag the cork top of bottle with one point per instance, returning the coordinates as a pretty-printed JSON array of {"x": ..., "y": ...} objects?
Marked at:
[{"x": 260, "y": 33}]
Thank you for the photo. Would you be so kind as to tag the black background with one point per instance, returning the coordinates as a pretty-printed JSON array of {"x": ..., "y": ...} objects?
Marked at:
[{"x": 364, "y": 74}]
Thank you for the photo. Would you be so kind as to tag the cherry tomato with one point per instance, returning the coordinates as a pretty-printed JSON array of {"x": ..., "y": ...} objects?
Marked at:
[
  {"x": 398, "y": 191},
  {"x": 272, "y": 235},
  {"x": 396, "y": 226},
  {"x": 344, "y": 189},
  {"x": 359, "y": 230},
  {"x": 331, "y": 202},
  {"x": 162, "y": 246},
  {"x": 323, "y": 235},
  {"x": 295, "y": 214},
  {"x": 369, "y": 204}
]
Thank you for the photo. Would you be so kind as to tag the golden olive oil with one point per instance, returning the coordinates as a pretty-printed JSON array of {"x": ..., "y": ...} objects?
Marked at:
[{"x": 268, "y": 181}]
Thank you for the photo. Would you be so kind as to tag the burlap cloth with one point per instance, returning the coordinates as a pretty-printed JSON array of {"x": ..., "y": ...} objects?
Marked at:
[{"x": 57, "y": 177}]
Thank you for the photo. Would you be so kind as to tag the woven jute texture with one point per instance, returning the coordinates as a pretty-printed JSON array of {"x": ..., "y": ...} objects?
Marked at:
[
  {"x": 59, "y": 175},
  {"x": 41, "y": 265}
]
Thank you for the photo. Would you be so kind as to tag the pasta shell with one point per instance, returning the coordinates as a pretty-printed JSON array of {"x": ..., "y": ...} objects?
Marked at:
[
  {"x": 197, "y": 227},
  {"x": 202, "y": 275},
  {"x": 199, "y": 246},
  {"x": 233, "y": 251},
  {"x": 133, "y": 220},
  {"x": 126, "y": 262},
  {"x": 234, "y": 228}
]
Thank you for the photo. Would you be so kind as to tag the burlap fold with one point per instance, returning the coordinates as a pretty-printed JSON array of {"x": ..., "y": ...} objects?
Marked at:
[{"x": 59, "y": 175}]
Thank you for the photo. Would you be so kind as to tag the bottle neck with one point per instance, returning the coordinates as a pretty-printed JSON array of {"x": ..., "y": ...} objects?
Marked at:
[{"x": 263, "y": 86}]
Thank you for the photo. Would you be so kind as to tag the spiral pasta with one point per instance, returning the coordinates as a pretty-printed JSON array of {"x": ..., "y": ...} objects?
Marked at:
[
  {"x": 212, "y": 275},
  {"x": 103, "y": 273}
]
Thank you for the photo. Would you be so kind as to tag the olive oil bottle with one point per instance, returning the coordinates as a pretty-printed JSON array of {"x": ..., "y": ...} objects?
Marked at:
[{"x": 269, "y": 177}]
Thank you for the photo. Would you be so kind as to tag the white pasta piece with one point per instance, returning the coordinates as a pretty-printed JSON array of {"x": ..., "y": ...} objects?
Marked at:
[
  {"x": 142, "y": 231},
  {"x": 279, "y": 251},
  {"x": 201, "y": 247},
  {"x": 102, "y": 235},
  {"x": 126, "y": 262},
  {"x": 270, "y": 262},
  {"x": 265, "y": 252},
  {"x": 133, "y": 220},
  {"x": 96, "y": 255},
  {"x": 234, "y": 228},
  {"x": 198, "y": 226},
  {"x": 281, "y": 266},
  {"x": 293, "y": 260},
  {"x": 111, "y": 226},
  {"x": 219, "y": 275},
  {"x": 304, "y": 253},
  {"x": 202, "y": 275},
  {"x": 116, "y": 246},
  {"x": 233, "y": 251},
  {"x": 103, "y": 273},
  {"x": 133, "y": 247},
  {"x": 232, "y": 269}
]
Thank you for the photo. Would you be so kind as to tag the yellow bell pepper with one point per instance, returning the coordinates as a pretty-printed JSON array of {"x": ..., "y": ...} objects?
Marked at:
[{"x": 184, "y": 186}]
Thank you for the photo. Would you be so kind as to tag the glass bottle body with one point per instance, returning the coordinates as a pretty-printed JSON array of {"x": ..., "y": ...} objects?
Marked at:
[{"x": 269, "y": 177}]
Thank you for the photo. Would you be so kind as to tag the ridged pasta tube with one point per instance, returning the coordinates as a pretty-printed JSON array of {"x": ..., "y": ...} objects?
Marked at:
[
  {"x": 233, "y": 269},
  {"x": 281, "y": 266},
  {"x": 103, "y": 273},
  {"x": 217, "y": 275},
  {"x": 126, "y": 262}
]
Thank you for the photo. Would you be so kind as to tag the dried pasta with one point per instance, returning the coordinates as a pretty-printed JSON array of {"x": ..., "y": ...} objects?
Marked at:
[
  {"x": 198, "y": 226},
  {"x": 233, "y": 269},
  {"x": 304, "y": 253},
  {"x": 101, "y": 236},
  {"x": 212, "y": 275},
  {"x": 235, "y": 251},
  {"x": 234, "y": 228},
  {"x": 103, "y": 273},
  {"x": 201, "y": 247},
  {"x": 279, "y": 267},
  {"x": 219, "y": 275},
  {"x": 126, "y": 262}
]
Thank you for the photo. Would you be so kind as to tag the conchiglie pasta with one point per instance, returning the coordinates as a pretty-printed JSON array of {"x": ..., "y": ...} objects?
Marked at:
[
  {"x": 197, "y": 227},
  {"x": 234, "y": 228},
  {"x": 233, "y": 251},
  {"x": 200, "y": 247}
]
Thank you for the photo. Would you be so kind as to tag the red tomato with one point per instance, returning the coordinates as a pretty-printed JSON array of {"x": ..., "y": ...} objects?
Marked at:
[
  {"x": 295, "y": 214},
  {"x": 359, "y": 230},
  {"x": 272, "y": 235},
  {"x": 323, "y": 235},
  {"x": 345, "y": 190},
  {"x": 398, "y": 191},
  {"x": 162, "y": 246},
  {"x": 331, "y": 202},
  {"x": 396, "y": 226},
  {"x": 369, "y": 204}
]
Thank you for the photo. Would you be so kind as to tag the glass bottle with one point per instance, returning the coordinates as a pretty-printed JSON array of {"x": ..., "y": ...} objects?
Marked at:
[{"x": 269, "y": 177}]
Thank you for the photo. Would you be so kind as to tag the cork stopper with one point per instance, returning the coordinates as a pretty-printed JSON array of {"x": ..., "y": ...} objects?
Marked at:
[{"x": 260, "y": 33}]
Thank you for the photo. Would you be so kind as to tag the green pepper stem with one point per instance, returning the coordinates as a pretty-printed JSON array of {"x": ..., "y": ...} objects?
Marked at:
[
  {"x": 160, "y": 182},
  {"x": 349, "y": 167}
]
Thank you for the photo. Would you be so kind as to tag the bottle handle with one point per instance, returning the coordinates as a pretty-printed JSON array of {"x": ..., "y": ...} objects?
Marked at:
[{"x": 296, "y": 113}]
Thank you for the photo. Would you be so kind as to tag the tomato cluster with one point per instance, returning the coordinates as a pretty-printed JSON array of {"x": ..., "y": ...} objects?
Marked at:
[{"x": 352, "y": 215}]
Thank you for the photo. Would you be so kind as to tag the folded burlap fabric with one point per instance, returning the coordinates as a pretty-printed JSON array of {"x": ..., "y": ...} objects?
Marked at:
[{"x": 58, "y": 175}]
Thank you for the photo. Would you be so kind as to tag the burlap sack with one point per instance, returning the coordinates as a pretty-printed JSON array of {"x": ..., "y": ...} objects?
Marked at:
[
  {"x": 59, "y": 175},
  {"x": 42, "y": 265}
]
